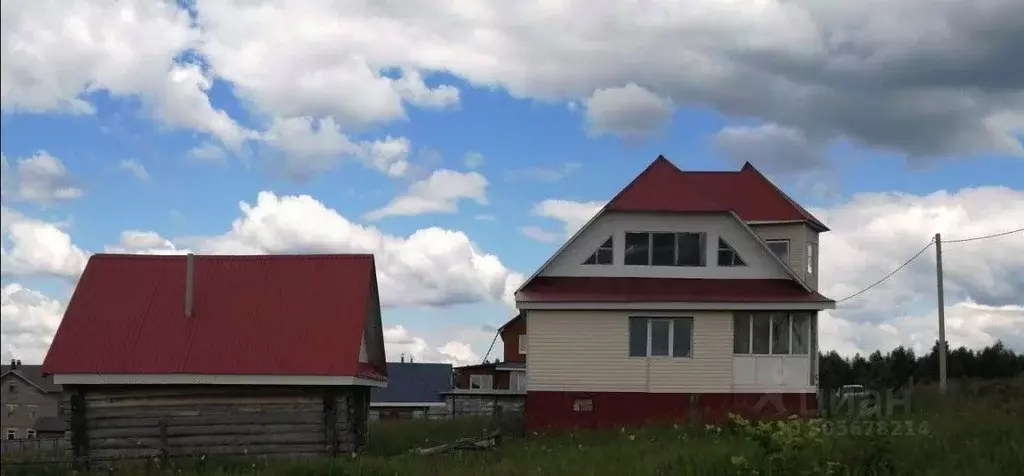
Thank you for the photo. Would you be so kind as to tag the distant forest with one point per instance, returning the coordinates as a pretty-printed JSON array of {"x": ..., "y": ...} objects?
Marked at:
[{"x": 896, "y": 368}]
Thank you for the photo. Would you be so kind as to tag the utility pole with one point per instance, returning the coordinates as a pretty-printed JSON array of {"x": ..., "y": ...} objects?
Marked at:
[{"x": 942, "y": 313}]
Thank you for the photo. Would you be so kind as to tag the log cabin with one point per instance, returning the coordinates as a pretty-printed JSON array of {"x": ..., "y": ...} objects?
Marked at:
[{"x": 219, "y": 355}]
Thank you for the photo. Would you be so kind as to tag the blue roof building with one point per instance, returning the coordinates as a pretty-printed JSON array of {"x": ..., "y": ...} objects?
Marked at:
[{"x": 413, "y": 386}]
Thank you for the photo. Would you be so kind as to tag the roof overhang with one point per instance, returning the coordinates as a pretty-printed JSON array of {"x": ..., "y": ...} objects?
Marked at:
[
  {"x": 675, "y": 306},
  {"x": 215, "y": 379},
  {"x": 407, "y": 404},
  {"x": 483, "y": 391}
]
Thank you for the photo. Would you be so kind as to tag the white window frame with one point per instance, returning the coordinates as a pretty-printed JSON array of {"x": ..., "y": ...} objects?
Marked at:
[
  {"x": 11, "y": 434},
  {"x": 671, "y": 337},
  {"x": 788, "y": 244},
  {"x": 522, "y": 344},
  {"x": 675, "y": 248},
  {"x": 481, "y": 379},
  {"x": 771, "y": 341},
  {"x": 597, "y": 253},
  {"x": 735, "y": 255},
  {"x": 517, "y": 381},
  {"x": 30, "y": 433}
]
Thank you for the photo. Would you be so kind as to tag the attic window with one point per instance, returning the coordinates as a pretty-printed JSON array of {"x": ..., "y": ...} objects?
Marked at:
[
  {"x": 664, "y": 249},
  {"x": 727, "y": 256},
  {"x": 604, "y": 254}
]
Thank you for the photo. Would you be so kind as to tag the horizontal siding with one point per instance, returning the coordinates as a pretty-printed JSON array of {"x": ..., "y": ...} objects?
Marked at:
[
  {"x": 589, "y": 351},
  {"x": 797, "y": 234}
]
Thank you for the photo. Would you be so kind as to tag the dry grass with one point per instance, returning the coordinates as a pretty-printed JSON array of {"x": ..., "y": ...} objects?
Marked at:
[{"x": 978, "y": 431}]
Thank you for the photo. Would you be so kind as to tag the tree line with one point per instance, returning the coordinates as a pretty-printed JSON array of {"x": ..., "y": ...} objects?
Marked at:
[{"x": 894, "y": 369}]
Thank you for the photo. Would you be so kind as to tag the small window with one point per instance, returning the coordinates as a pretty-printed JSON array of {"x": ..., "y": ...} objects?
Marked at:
[
  {"x": 11, "y": 434},
  {"x": 660, "y": 331},
  {"x": 780, "y": 333},
  {"x": 780, "y": 248},
  {"x": 741, "y": 333},
  {"x": 800, "y": 341},
  {"x": 761, "y": 334},
  {"x": 583, "y": 405},
  {"x": 12, "y": 410},
  {"x": 481, "y": 381},
  {"x": 690, "y": 247},
  {"x": 810, "y": 257},
  {"x": 727, "y": 256},
  {"x": 12, "y": 388},
  {"x": 638, "y": 249},
  {"x": 663, "y": 249},
  {"x": 638, "y": 337},
  {"x": 522, "y": 344},
  {"x": 30, "y": 434},
  {"x": 518, "y": 381},
  {"x": 604, "y": 255},
  {"x": 660, "y": 337}
]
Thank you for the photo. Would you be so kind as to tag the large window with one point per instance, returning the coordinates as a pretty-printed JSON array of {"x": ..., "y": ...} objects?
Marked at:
[
  {"x": 664, "y": 249},
  {"x": 772, "y": 333},
  {"x": 660, "y": 337},
  {"x": 481, "y": 381},
  {"x": 727, "y": 256},
  {"x": 780, "y": 248},
  {"x": 605, "y": 254}
]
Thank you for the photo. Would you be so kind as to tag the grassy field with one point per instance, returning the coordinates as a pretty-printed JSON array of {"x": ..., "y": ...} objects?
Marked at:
[{"x": 981, "y": 433}]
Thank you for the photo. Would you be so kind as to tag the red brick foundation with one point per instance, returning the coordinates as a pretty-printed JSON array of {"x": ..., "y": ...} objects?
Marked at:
[{"x": 552, "y": 411}]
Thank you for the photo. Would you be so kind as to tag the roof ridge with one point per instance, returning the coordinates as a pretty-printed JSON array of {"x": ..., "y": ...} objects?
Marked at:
[
  {"x": 141, "y": 256},
  {"x": 749, "y": 168}
]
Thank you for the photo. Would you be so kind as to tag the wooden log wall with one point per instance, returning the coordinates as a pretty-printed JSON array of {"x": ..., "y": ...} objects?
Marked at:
[{"x": 157, "y": 421}]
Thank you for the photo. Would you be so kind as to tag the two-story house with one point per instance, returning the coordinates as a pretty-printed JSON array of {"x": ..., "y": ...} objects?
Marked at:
[
  {"x": 688, "y": 295},
  {"x": 502, "y": 383},
  {"x": 31, "y": 403}
]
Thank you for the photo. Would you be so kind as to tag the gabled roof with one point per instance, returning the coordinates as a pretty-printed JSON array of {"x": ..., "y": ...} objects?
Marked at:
[
  {"x": 663, "y": 187},
  {"x": 414, "y": 383},
  {"x": 276, "y": 315},
  {"x": 510, "y": 322},
  {"x": 33, "y": 375}
]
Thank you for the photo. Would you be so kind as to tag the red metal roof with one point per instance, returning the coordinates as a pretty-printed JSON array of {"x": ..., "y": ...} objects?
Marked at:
[
  {"x": 267, "y": 314},
  {"x": 601, "y": 289},
  {"x": 662, "y": 187}
]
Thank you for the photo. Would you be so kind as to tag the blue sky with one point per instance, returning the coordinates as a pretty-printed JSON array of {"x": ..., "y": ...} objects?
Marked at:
[{"x": 554, "y": 131}]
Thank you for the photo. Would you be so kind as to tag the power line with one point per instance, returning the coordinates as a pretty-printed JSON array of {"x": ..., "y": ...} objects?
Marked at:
[
  {"x": 997, "y": 235},
  {"x": 880, "y": 281}
]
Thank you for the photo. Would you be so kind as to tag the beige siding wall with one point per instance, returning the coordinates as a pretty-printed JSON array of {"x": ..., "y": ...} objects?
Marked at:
[
  {"x": 799, "y": 236},
  {"x": 589, "y": 351}
]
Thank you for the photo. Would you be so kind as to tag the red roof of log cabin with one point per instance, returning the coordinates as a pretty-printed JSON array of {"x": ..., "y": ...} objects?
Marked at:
[
  {"x": 600, "y": 289},
  {"x": 662, "y": 187},
  {"x": 268, "y": 315}
]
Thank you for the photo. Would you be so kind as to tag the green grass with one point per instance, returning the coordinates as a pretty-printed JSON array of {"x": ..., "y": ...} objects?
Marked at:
[{"x": 978, "y": 434}]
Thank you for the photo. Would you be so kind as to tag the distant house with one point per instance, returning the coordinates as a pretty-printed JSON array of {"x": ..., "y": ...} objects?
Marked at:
[
  {"x": 482, "y": 388},
  {"x": 29, "y": 398},
  {"x": 689, "y": 294},
  {"x": 414, "y": 391},
  {"x": 220, "y": 354}
]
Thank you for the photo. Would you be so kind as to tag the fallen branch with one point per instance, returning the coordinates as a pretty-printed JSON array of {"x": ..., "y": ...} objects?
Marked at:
[{"x": 487, "y": 442}]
